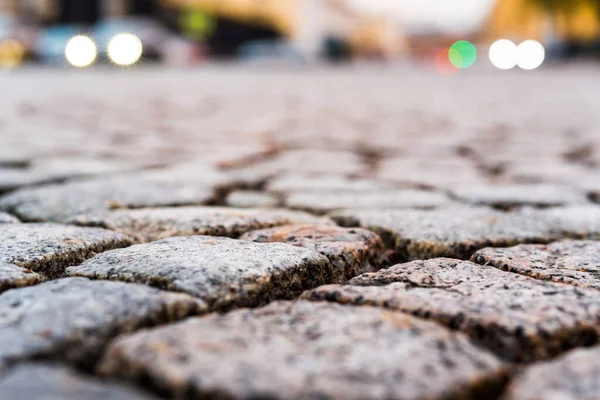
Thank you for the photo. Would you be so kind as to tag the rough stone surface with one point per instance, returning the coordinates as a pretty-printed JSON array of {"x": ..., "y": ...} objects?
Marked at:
[
  {"x": 351, "y": 252},
  {"x": 294, "y": 182},
  {"x": 574, "y": 376},
  {"x": 251, "y": 199},
  {"x": 159, "y": 223},
  {"x": 73, "y": 319},
  {"x": 50, "y": 248},
  {"x": 60, "y": 202},
  {"x": 455, "y": 232},
  {"x": 53, "y": 382},
  {"x": 303, "y": 350},
  {"x": 569, "y": 261},
  {"x": 326, "y": 201},
  {"x": 223, "y": 272},
  {"x": 12, "y": 276},
  {"x": 458, "y": 232},
  {"x": 518, "y": 318},
  {"x": 7, "y": 219},
  {"x": 517, "y": 195}
]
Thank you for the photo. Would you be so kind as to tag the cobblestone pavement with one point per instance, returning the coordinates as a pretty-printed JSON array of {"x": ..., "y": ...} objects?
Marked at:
[{"x": 353, "y": 233}]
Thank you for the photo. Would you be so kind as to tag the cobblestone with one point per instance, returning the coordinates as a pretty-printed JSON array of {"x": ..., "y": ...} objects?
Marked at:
[
  {"x": 510, "y": 196},
  {"x": 160, "y": 223},
  {"x": 569, "y": 261},
  {"x": 7, "y": 218},
  {"x": 13, "y": 276},
  {"x": 38, "y": 382},
  {"x": 518, "y": 318},
  {"x": 573, "y": 376},
  {"x": 61, "y": 202},
  {"x": 50, "y": 248},
  {"x": 457, "y": 232},
  {"x": 223, "y": 272},
  {"x": 351, "y": 252},
  {"x": 326, "y": 201},
  {"x": 303, "y": 350},
  {"x": 73, "y": 319}
]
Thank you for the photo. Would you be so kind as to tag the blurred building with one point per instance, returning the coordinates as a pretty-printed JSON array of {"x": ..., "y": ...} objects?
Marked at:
[
  {"x": 527, "y": 19},
  {"x": 74, "y": 11},
  {"x": 308, "y": 24}
]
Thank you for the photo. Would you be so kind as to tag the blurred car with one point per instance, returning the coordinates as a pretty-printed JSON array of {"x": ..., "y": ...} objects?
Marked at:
[
  {"x": 275, "y": 52},
  {"x": 51, "y": 42},
  {"x": 152, "y": 34}
]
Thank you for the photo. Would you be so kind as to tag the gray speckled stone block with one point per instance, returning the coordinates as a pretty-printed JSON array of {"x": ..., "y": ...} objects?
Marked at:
[
  {"x": 7, "y": 219},
  {"x": 250, "y": 199},
  {"x": 61, "y": 202},
  {"x": 507, "y": 196},
  {"x": 576, "y": 262},
  {"x": 327, "y": 201},
  {"x": 519, "y": 318},
  {"x": 73, "y": 319},
  {"x": 224, "y": 272},
  {"x": 159, "y": 223},
  {"x": 351, "y": 251},
  {"x": 458, "y": 232},
  {"x": 455, "y": 232},
  {"x": 574, "y": 376},
  {"x": 53, "y": 382},
  {"x": 50, "y": 248},
  {"x": 13, "y": 276},
  {"x": 301, "y": 350}
]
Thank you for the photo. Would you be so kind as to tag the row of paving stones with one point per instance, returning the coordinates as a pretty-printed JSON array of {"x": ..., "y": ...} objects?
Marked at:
[
  {"x": 553, "y": 331},
  {"x": 315, "y": 349},
  {"x": 199, "y": 184}
]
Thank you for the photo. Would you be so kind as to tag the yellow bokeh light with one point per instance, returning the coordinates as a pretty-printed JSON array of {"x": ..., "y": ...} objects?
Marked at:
[
  {"x": 81, "y": 51},
  {"x": 125, "y": 49},
  {"x": 12, "y": 53}
]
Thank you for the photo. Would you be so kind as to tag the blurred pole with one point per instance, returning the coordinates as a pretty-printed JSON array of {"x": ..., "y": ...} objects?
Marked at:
[
  {"x": 9, "y": 7},
  {"x": 309, "y": 34},
  {"x": 114, "y": 8}
]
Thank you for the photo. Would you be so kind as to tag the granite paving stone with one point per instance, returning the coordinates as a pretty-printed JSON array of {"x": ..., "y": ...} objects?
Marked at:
[
  {"x": 575, "y": 262},
  {"x": 61, "y": 202},
  {"x": 351, "y": 251},
  {"x": 54, "y": 382},
  {"x": 13, "y": 276},
  {"x": 302, "y": 350},
  {"x": 508, "y": 196},
  {"x": 518, "y": 318},
  {"x": 455, "y": 232},
  {"x": 7, "y": 218},
  {"x": 458, "y": 232},
  {"x": 49, "y": 248},
  {"x": 73, "y": 319},
  {"x": 252, "y": 199},
  {"x": 225, "y": 273},
  {"x": 327, "y": 201},
  {"x": 574, "y": 376},
  {"x": 158, "y": 223}
]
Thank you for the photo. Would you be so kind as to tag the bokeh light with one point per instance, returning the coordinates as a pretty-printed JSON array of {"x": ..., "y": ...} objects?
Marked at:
[
  {"x": 462, "y": 54},
  {"x": 503, "y": 54},
  {"x": 125, "y": 49},
  {"x": 443, "y": 64},
  {"x": 12, "y": 53},
  {"x": 81, "y": 51},
  {"x": 530, "y": 55}
]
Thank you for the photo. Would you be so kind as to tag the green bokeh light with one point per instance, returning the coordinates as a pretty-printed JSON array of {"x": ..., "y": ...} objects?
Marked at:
[{"x": 462, "y": 54}]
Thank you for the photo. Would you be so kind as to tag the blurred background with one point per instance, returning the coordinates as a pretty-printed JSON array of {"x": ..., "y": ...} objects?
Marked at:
[{"x": 297, "y": 32}]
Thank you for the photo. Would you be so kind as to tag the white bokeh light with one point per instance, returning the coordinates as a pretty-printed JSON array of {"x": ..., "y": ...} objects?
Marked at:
[
  {"x": 125, "y": 49},
  {"x": 503, "y": 54},
  {"x": 81, "y": 51},
  {"x": 530, "y": 55}
]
